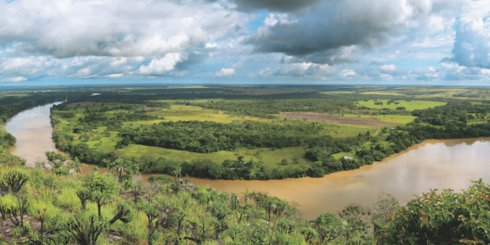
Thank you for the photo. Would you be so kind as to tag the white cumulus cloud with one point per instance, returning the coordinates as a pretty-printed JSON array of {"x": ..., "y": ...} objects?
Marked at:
[
  {"x": 66, "y": 28},
  {"x": 225, "y": 72},
  {"x": 93, "y": 38},
  {"x": 472, "y": 43},
  {"x": 163, "y": 65},
  {"x": 348, "y": 73},
  {"x": 389, "y": 67},
  {"x": 16, "y": 79}
]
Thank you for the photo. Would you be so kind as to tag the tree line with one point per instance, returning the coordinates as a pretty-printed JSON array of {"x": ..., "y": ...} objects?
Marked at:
[{"x": 207, "y": 137}]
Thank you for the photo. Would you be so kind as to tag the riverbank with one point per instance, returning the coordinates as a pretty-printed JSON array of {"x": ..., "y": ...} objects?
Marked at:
[
  {"x": 428, "y": 165},
  {"x": 417, "y": 169},
  {"x": 33, "y": 131}
]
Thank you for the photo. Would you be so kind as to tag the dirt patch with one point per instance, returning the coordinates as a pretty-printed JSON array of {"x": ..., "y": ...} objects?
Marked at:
[{"x": 320, "y": 117}]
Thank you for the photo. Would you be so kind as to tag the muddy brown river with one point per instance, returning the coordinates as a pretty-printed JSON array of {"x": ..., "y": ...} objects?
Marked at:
[
  {"x": 434, "y": 164},
  {"x": 32, "y": 129}
]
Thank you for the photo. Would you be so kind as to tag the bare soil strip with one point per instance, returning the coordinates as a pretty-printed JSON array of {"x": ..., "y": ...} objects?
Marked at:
[{"x": 320, "y": 117}]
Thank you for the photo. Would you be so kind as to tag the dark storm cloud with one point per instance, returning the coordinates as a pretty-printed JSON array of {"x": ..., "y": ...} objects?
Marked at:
[{"x": 324, "y": 30}]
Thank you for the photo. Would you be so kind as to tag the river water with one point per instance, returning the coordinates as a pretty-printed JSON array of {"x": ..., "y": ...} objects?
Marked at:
[
  {"x": 32, "y": 129},
  {"x": 434, "y": 164}
]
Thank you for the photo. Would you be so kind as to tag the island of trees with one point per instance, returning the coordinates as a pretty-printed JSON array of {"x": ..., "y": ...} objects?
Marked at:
[{"x": 249, "y": 133}]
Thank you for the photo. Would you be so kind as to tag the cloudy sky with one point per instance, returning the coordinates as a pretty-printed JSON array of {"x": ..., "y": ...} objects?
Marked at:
[{"x": 245, "y": 41}]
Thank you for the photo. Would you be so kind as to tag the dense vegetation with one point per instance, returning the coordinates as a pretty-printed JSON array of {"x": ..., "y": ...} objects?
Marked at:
[
  {"x": 40, "y": 207},
  {"x": 269, "y": 107},
  {"x": 58, "y": 205},
  {"x": 211, "y": 137},
  {"x": 207, "y": 133},
  {"x": 443, "y": 122}
]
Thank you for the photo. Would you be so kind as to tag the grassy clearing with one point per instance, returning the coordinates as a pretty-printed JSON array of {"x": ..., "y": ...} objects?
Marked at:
[
  {"x": 328, "y": 118},
  {"x": 341, "y": 155},
  {"x": 423, "y": 93},
  {"x": 337, "y": 130},
  {"x": 100, "y": 140},
  {"x": 338, "y": 92},
  {"x": 2, "y": 129},
  {"x": 270, "y": 157},
  {"x": 478, "y": 119},
  {"x": 195, "y": 113},
  {"x": 383, "y": 93},
  {"x": 104, "y": 143},
  {"x": 409, "y": 105},
  {"x": 192, "y": 113},
  {"x": 446, "y": 93},
  {"x": 474, "y": 94}
]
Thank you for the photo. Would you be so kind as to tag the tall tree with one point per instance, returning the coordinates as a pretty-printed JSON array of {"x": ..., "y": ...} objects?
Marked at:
[{"x": 100, "y": 189}]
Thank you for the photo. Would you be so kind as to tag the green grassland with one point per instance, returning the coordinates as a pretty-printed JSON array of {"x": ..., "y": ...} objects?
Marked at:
[
  {"x": 105, "y": 140},
  {"x": 478, "y": 118},
  {"x": 338, "y": 130},
  {"x": 445, "y": 93},
  {"x": 268, "y": 156},
  {"x": 420, "y": 93},
  {"x": 391, "y": 106},
  {"x": 341, "y": 155},
  {"x": 409, "y": 105},
  {"x": 178, "y": 112},
  {"x": 383, "y": 93}
]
